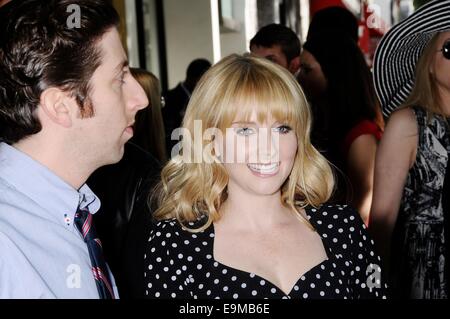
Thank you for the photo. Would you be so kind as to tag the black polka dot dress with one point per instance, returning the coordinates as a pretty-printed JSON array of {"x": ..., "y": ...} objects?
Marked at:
[{"x": 180, "y": 264}]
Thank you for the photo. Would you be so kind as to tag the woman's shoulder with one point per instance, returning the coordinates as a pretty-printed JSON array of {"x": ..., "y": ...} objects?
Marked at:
[
  {"x": 342, "y": 227},
  {"x": 335, "y": 219},
  {"x": 171, "y": 230},
  {"x": 402, "y": 131},
  {"x": 328, "y": 209},
  {"x": 365, "y": 128},
  {"x": 405, "y": 119}
]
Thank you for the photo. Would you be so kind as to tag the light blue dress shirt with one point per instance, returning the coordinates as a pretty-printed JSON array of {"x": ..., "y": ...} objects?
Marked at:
[{"x": 42, "y": 254}]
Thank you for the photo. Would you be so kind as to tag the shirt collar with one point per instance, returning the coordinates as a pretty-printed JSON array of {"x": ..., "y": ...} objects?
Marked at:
[{"x": 57, "y": 198}]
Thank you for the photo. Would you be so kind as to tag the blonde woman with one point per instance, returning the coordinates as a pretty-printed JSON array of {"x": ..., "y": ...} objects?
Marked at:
[
  {"x": 410, "y": 214},
  {"x": 149, "y": 126},
  {"x": 260, "y": 227}
]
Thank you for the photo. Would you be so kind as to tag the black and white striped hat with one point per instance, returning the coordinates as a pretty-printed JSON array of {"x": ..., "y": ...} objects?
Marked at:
[{"x": 400, "y": 49}]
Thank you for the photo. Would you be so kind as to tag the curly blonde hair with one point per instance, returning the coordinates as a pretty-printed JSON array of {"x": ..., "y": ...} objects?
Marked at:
[{"x": 189, "y": 191}]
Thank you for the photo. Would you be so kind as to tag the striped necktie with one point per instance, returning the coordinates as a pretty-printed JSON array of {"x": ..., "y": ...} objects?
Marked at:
[{"x": 83, "y": 221}]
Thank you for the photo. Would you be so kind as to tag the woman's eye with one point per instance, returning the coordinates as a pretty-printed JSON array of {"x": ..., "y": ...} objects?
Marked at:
[
  {"x": 245, "y": 131},
  {"x": 283, "y": 129}
]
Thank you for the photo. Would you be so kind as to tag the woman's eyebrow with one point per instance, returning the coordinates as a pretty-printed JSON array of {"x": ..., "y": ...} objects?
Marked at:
[
  {"x": 254, "y": 123},
  {"x": 244, "y": 122}
]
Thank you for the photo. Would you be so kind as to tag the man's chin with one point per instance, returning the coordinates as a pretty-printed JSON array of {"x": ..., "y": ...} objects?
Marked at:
[{"x": 118, "y": 155}]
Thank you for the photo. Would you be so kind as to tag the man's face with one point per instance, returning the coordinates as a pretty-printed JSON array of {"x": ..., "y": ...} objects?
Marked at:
[
  {"x": 116, "y": 97},
  {"x": 274, "y": 54}
]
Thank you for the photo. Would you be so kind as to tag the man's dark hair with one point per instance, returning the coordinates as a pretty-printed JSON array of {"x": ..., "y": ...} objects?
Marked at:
[
  {"x": 277, "y": 34},
  {"x": 197, "y": 68},
  {"x": 43, "y": 46}
]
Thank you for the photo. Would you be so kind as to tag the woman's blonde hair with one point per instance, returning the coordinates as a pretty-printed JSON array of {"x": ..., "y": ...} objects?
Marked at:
[
  {"x": 425, "y": 92},
  {"x": 236, "y": 84},
  {"x": 149, "y": 127}
]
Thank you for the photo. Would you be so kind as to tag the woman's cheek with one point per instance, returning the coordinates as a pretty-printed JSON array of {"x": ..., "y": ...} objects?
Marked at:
[{"x": 288, "y": 147}]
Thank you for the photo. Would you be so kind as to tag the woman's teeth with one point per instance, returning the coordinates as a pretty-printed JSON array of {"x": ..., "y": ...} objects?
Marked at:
[{"x": 264, "y": 168}]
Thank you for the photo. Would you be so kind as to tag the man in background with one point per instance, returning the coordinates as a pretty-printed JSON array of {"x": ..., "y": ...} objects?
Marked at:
[
  {"x": 279, "y": 44},
  {"x": 177, "y": 99}
]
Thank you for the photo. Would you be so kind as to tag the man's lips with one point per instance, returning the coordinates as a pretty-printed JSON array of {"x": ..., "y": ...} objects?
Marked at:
[{"x": 130, "y": 128}]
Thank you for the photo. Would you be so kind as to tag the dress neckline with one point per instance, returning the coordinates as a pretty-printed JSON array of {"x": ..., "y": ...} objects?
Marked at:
[{"x": 301, "y": 277}]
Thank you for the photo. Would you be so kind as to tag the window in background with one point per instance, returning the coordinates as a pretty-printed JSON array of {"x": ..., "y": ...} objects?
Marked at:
[
  {"x": 228, "y": 23},
  {"x": 151, "y": 44}
]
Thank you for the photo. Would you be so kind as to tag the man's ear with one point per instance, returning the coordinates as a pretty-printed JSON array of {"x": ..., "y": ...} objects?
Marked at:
[
  {"x": 294, "y": 65},
  {"x": 58, "y": 106}
]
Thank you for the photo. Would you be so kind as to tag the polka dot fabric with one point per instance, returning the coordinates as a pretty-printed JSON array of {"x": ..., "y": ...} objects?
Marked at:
[{"x": 180, "y": 264}]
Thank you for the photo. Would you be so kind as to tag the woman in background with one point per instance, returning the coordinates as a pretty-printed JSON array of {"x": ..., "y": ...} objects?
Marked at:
[
  {"x": 347, "y": 122},
  {"x": 410, "y": 215},
  {"x": 149, "y": 125}
]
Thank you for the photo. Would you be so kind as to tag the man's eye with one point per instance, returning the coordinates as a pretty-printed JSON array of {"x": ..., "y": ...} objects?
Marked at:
[
  {"x": 283, "y": 129},
  {"x": 245, "y": 131},
  {"x": 122, "y": 78}
]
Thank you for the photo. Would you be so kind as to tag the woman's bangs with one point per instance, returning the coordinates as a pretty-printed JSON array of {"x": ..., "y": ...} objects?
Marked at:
[{"x": 266, "y": 98}]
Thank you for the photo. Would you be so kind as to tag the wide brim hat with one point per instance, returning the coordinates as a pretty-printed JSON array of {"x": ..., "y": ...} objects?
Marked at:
[{"x": 400, "y": 49}]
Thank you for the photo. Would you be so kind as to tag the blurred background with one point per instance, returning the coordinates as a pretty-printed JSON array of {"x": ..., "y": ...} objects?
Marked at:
[{"x": 164, "y": 36}]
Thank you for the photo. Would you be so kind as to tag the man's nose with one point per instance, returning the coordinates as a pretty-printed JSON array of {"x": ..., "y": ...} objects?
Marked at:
[{"x": 138, "y": 96}]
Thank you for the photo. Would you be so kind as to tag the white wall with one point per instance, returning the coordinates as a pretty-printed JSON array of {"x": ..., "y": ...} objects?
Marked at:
[
  {"x": 189, "y": 35},
  {"x": 235, "y": 42},
  {"x": 305, "y": 18}
]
